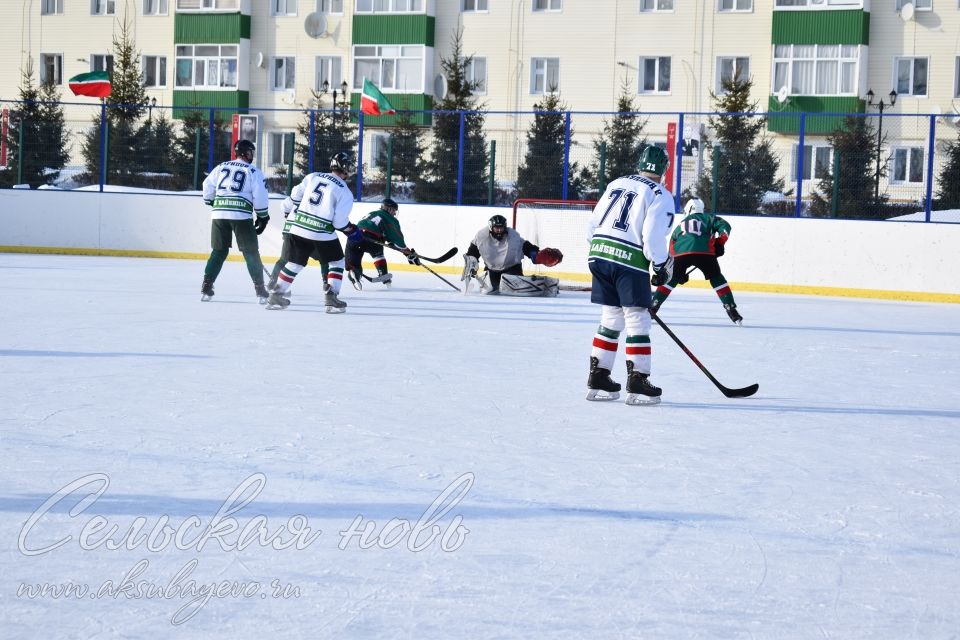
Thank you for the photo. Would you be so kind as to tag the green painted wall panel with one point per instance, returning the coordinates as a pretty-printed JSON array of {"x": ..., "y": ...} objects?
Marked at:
[
  {"x": 821, "y": 27},
  {"x": 393, "y": 29},
  {"x": 402, "y": 101},
  {"x": 218, "y": 28},
  {"x": 231, "y": 101},
  {"x": 789, "y": 122}
]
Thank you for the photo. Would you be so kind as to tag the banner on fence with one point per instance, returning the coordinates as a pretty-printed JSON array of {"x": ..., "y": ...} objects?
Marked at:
[
  {"x": 4, "y": 116},
  {"x": 672, "y": 154},
  {"x": 245, "y": 127}
]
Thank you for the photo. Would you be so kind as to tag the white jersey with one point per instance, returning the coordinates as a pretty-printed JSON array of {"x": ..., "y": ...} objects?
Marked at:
[
  {"x": 317, "y": 207},
  {"x": 631, "y": 222},
  {"x": 499, "y": 254},
  {"x": 237, "y": 191}
]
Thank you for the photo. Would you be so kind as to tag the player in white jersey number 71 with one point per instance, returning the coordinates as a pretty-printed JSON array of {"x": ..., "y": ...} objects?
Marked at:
[{"x": 628, "y": 239}]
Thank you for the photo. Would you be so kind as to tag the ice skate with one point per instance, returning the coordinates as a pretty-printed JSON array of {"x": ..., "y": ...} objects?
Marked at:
[
  {"x": 276, "y": 301},
  {"x": 600, "y": 386},
  {"x": 384, "y": 278},
  {"x": 639, "y": 390},
  {"x": 356, "y": 279},
  {"x": 206, "y": 290},
  {"x": 261, "y": 291},
  {"x": 733, "y": 313},
  {"x": 333, "y": 304}
]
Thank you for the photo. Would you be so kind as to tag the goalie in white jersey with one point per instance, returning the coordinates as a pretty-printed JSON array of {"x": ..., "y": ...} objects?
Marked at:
[
  {"x": 316, "y": 209},
  {"x": 628, "y": 235}
]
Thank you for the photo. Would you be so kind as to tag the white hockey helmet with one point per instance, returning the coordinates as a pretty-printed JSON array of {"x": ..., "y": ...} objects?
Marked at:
[{"x": 694, "y": 205}]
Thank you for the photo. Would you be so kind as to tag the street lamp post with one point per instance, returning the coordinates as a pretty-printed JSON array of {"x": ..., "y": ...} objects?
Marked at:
[
  {"x": 880, "y": 105},
  {"x": 150, "y": 106},
  {"x": 343, "y": 92}
]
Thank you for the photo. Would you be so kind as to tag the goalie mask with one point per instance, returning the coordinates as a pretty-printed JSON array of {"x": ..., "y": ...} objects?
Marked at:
[{"x": 498, "y": 227}]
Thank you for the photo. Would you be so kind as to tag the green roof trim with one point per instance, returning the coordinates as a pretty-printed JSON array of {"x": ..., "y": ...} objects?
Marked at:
[
  {"x": 821, "y": 27},
  {"x": 210, "y": 28},
  {"x": 785, "y": 119},
  {"x": 227, "y": 102},
  {"x": 394, "y": 29}
]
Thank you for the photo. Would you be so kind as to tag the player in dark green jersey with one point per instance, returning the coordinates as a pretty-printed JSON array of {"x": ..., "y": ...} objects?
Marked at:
[
  {"x": 379, "y": 227},
  {"x": 697, "y": 242}
]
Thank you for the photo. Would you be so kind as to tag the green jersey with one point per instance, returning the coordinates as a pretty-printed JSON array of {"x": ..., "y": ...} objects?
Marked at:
[
  {"x": 384, "y": 227},
  {"x": 695, "y": 234}
]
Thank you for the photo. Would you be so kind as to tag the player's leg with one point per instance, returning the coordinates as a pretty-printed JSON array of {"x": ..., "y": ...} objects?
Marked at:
[
  {"x": 680, "y": 266},
  {"x": 354, "y": 264},
  {"x": 275, "y": 273},
  {"x": 220, "y": 242},
  {"x": 379, "y": 262},
  {"x": 711, "y": 270},
  {"x": 249, "y": 246},
  {"x": 633, "y": 289},
  {"x": 332, "y": 254},
  {"x": 297, "y": 250},
  {"x": 607, "y": 337}
]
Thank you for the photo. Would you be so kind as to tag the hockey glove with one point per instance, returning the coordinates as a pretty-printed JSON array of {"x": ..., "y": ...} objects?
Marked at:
[
  {"x": 718, "y": 245},
  {"x": 548, "y": 257},
  {"x": 412, "y": 256},
  {"x": 471, "y": 264},
  {"x": 261, "y": 223},
  {"x": 662, "y": 272},
  {"x": 355, "y": 236}
]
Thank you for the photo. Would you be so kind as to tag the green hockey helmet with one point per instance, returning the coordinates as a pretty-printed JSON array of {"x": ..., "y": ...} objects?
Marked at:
[{"x": 654, "y": 160}]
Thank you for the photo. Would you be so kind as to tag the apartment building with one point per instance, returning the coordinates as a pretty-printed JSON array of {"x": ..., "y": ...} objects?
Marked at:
[{"x": 274, "y": 58}]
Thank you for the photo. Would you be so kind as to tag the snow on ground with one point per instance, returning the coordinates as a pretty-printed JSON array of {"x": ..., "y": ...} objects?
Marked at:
[{"x": 824, "y": 507}]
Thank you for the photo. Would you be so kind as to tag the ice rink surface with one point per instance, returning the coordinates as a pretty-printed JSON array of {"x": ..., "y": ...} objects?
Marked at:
[{"x": 496, "y": 502}]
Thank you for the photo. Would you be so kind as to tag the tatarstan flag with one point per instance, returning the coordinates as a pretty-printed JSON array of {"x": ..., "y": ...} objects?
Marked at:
[
  {"x": 95, "y": 84},
  {"x": 374, "y": 103}
]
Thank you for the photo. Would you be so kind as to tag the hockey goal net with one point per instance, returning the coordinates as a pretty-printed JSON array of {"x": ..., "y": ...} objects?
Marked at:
[{"x": 561, "y": 224}]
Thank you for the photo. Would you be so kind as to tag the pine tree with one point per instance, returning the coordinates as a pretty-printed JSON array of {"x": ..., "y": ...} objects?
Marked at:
[
  {"x": 39, "y": 118},
  {"x": 948, "y": 182},
  {"x": 408, "y": 147},
  {"x": 195, "y": 134},
  {"x": 128, "y": 98},
  {"x": 334, "y": 131},
  {"x": 541, "y": 173},
  {"x": 437, "y": 179},
  {"x": 855, "y": 142},
  {"x": 746, "y": 167},
  {"x": 624, "y": 138}
]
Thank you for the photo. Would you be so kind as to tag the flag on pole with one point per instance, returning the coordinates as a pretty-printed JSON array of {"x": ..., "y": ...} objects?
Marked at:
[
  {"x": 95, "y": 84},
  {"x": 374, "y": 103}
]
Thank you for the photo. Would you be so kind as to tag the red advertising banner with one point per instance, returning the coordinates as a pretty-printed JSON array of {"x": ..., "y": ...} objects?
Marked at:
[
  {"x": 235, "y": 135},
  {"x": 672, "y": 154},
  {"x": 4, "y": 117}
]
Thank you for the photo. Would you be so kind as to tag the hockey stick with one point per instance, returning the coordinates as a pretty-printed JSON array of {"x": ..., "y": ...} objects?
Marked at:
[
  {"x": 730, "y": 393},
  {"x": 446, "y": 256},
  {"x": 441, "y": 277}
]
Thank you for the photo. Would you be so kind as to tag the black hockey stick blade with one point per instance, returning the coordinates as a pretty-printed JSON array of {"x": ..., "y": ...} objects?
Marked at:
[
  {"x": 446, "y": 256},
  {"x": 744, "y": 392}
]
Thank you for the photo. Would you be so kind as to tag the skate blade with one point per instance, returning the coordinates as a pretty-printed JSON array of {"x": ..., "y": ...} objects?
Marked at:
[
  {"x": 276, "y": 307},
  {"x": 205, "y": 298},
  {"x": 261, "y": 301},
  {"x": 336, "y": 310},
  {"x": 594, "y": 395},
  {"x": 640, "y": 400}
]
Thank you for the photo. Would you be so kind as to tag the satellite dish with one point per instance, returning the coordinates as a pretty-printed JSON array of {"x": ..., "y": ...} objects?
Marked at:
[
  {"x": 783, "y": 94},
  {"x": 315, "y": 25},
  {"x": 440, "y": 87},
  {"x": 290, "y": 96},
  {"x": 260, "y": 59},
  {"x": 906, "y": 12}
]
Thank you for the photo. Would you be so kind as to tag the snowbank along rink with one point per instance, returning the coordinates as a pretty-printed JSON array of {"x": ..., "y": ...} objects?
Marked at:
[{"x": 425, "y": 465}]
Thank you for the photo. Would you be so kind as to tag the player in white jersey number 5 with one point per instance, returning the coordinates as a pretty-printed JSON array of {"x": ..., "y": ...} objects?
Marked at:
[
  {"x": 628, "y": 235},
  {"x": 316, "y": 209}
]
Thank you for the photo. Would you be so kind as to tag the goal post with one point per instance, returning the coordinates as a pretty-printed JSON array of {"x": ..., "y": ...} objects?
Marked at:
[{"x": 561, "y": 224}]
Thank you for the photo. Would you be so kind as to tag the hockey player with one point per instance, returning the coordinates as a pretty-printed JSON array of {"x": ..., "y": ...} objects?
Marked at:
[
  {"x": 316, "y": 209},
  {"x": 697, "y": 242},
  {"x": 629, "y": 229},
  {"x": 238, "y": 194},
  {"x": 502, "y": 250},
  {"x": 378, "y": 228}
]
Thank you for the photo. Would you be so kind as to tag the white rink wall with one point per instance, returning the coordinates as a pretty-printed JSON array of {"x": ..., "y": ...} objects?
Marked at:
[{"x": 916, "y": 258}]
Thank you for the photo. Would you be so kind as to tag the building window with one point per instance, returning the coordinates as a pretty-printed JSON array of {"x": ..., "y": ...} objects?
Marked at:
[
  {"x": 207, "y": 5},
  {"x": 328, "y": 70},
  {"x": 731, "y": 68},
  {"x": 389, "y": 6},
  {"x": 51, "y": 68},
  {"x": 476, "y": 74},
  {"x": 99, "y": 62},
  {"x": 818, "y": 4},
  {"x": 647, "y": 6},
  {"x": 379, "y": 145},
  {"x": 654, "y": 75},
  {"x": 907, "y": 165},
  {"x": 330, "y": 6},
  {"x": 735, "y": 5},
  {"x": 816, "y": 69},
  {"x": 394, "y": 68},
  {"x": 50, "y": 7},
  {"x": 154, "y": 71},
  {"x": 547, "y": 5},
  {"x": 817, "y": 160},
  {"x": 206, "y": 66},
  {"x": 544, "y": 75},
  {"x": 283, "y": 73},
  {"x": 283, "y": 7},
  {"x": 103, "y": 7},
  {"x": 473, "y": 5},
  {"x": 278, "y": 148},
  {"x": 154, "y": 7},
  {"x": 919, "y": 5},
  {"x": 911, "y": 76}
]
